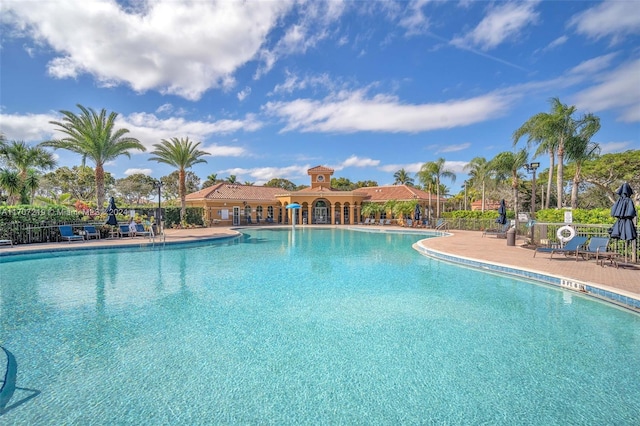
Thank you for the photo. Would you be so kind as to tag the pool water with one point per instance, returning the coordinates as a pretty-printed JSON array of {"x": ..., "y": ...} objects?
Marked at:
[{"x": 315, "y": 326}]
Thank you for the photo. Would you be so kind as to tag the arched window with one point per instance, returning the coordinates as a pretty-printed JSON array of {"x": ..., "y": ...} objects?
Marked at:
[
  {"x": 259, "y": 212},
  {"x": 270, "y": 212},
  {"x": 247, "y": 211}
]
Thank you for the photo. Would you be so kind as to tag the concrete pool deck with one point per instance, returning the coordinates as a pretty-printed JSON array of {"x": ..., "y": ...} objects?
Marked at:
[{"x": 624, "y": 280}]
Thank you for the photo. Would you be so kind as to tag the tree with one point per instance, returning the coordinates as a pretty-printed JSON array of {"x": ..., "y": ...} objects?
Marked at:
[
  {"x": 480, "y": 173},
  {"x": 10, "y": 182},
  {"x": 212, "y": 179},
  {"x": 435, "y": 171},
  {"x": 181, "y": 154},
  {"x": 342, "y": 184},
  {"x": 554, "y": 130},
  {"x": 366, "y": 183},
  {"x": 135, "y": 188},
  {"x": 95, "y": 137},
  {"x": 25, "y": 160},
  {"x": 509, "y": 163},
  {"x": 171, "y": 184},
  {"x": 609, "y": 171},
  {"x": 79, "y": 181},
  {"x": 232, "y": 179},
  {"x": 580, "y": 150},
  {"x": 281, "y": 183},
  {"x": 402, "y": 178}
]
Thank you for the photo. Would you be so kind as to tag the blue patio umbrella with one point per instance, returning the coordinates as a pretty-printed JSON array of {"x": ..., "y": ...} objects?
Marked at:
[
  {"x": 294, "y": 206},
  {"x": 111, "y": 213},
  {"x": 624, "y": 211},
  {"x": 502, "y": 213}
]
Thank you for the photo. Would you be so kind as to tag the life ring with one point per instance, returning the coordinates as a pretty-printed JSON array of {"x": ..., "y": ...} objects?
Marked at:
[{"x": 561, "y": 233}]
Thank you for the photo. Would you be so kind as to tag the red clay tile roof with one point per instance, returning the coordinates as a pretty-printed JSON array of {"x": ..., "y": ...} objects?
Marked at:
[
  {"x": 320, "y": 169},
  {"x": 232, "y": 191},
  {"x": 396, "y": 192}
]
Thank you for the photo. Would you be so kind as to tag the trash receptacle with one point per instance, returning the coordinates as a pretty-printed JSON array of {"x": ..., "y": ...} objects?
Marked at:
[{"x": 511, "y": 237}]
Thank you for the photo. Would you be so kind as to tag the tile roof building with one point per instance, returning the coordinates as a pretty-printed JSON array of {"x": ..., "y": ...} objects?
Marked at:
[{"x": 234, "y": 204}]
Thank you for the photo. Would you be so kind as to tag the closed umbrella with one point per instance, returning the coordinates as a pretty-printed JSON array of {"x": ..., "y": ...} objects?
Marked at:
[
  {"x": 502, "y": 213},
  {"x": 111, "y": 213},
  {"x": 624, "y": 211},
  {"x": 416, "y": 214}
]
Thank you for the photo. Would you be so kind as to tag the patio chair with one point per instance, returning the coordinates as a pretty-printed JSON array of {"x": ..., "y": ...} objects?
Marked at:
[
  {"x": 66, "y": 233},
  {"x": 387, "y": 222},
  {"x": 499, "y": 233},
  {"x": 91, "y": 231},
  {"x": 124, "y": 231},
  {"x": 6, "y": 242},
  {"x": 572, "y": 247},
  {"x": 140, "y": 231},
  {"x": 598, "y": 248}
]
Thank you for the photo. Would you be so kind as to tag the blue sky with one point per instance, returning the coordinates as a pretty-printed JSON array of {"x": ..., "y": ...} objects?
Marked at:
[{"x": 272, "y": 88}]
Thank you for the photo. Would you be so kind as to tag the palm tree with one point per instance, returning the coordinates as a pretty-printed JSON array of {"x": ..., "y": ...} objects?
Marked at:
[
  {"x": 580, "y": 150},
  {"x": 509, "y": 163},
  {"x": 479, "y": 172},
  {"x": 10, "y": 181},
  {"x": 25, "y": 159},
  {"x": 402, "y": 178},
  {"x": 232, "y": 179},
  {"x": 540, "y": 131},
  {"x": 95, "y": 137},
  {"x": 554, "y": 130},
  {"x": 435, "y": 170},
  {"x": 181, "y": 154}
]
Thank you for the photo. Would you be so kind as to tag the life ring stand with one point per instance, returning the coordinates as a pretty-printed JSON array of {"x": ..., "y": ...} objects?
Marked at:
[{"x": 561, "y": 233}]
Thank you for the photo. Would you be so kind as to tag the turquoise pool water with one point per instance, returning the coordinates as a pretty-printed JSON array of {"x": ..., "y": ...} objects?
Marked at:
[{"x": 324, "y": 326}]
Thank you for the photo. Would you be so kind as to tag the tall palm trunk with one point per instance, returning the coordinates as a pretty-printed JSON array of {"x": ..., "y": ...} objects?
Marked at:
[
  {"x": 552, "y": 161},
  {"x": 182, "y": 189},
  {"x": 560, "y": 177},
  {"x": 99, "y": 173},
  {"x": 482, "y": 196}
]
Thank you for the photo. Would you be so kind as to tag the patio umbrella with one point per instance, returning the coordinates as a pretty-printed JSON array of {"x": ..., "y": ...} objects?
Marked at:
[
  {"x": 624, "y": 211},
  {"x": 502, "y": 213},
  {"x": 111, "y": 212},
  {"x": 416, "y": 213}
]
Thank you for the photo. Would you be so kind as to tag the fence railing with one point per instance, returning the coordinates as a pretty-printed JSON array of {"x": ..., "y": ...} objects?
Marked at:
[
  {"x": 21, "y": 233},
  {"x": 546, "y": 234}
]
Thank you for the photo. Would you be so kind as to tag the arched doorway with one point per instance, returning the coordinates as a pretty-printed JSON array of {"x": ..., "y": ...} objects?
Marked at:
[{"x": 320, "y": 212}]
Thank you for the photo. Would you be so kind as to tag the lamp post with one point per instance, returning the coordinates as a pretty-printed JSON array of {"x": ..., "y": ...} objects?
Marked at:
[
  {"x": 531, "y": 168},
  {"x": 158, "y": 184}
]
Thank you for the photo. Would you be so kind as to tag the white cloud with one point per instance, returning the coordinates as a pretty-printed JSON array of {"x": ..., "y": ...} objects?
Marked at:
[
  {"x": 244, "y": 93},
  {"x": 594, "y": 65},
  {"x": 348, "y": 112},
  {"x": 611, "y": 18},
  {"x": 149, "y": 129},
  {"x": 175, "y": 47},
  {"x": 557, "y": 42},
  {"x": 355, "y": 161},
  {"x": 616, "y": 90},
  {"x": 410, "y": 168},
  {"x": 28, "y": 127},
  {"x": 504, "y": 22},
  {"x": 262, "y": 175},
  {"x": 223, "y": 151},
  {"x": 134, "y": 171},
  {"x": 452, "y": 148},
  {"x": 293, "y": 82},
  {"x": 414, "y": 19},
  {"x": 610, "y": 147}
]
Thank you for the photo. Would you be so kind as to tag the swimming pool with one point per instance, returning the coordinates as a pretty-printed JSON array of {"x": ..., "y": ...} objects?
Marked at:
[{"x": 317, "y": 326}]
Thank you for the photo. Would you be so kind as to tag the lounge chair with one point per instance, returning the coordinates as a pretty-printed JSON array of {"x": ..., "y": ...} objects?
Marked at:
[
  {"x": 7, "y": 242},
  {"x": 499, "y": 233},
  {"x": 367, "y": 221},
  {"x": 140, "y": 231},
  {"x": 597, "y": 248},
  {"x": 66, "y": 233},
  {"x": 91, "y": 231},
  {"x": 387, "y": 222},
  {"x": 572, "y": 247},
  {"x": 124, "y": 231},
  {"x": 381, "y": 222}
]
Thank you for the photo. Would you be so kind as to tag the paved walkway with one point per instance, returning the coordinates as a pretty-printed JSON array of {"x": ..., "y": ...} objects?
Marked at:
[{"x": 469, "y": 244}]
